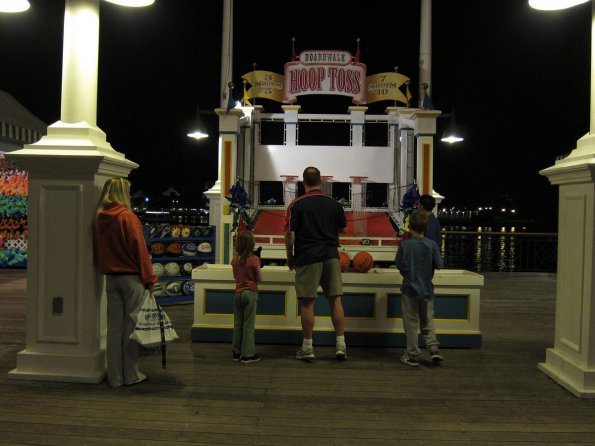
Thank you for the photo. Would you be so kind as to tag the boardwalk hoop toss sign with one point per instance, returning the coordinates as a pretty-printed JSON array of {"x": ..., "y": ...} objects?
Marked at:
[{"x": 326, "y": 72}]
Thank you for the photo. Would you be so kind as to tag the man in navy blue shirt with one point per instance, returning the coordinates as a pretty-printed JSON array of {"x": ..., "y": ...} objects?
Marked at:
[
  {"x": 312, "y": 225},
  {"x": 433, "y": 232}
]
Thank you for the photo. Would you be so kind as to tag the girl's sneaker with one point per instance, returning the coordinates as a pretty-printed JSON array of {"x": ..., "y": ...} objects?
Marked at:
[
  {"x": 249, "y": 359},
  {"x": 409, "y": 360}
]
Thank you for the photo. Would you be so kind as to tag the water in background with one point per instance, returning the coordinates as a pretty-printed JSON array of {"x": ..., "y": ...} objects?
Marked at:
[{"x": 482, "y": 249}]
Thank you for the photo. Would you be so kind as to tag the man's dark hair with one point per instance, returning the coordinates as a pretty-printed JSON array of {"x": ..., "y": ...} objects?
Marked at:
[
  {"x": 427, "y": 202},
  {"x": 418, "y": 222},
  {"x": 312, "y": 177}
]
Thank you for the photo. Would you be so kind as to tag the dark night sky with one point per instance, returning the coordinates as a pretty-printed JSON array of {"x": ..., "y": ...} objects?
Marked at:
[{"x": 518, "y": 79}]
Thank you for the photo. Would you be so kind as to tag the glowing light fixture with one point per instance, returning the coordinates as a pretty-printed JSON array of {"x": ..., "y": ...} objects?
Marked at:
[
  {"x": 197, "y": 134},
  {"x": 196, "y": 128},
  {"x": 14, "y": 5},
  {"x": 132, "y": 3},
  {"x": 23, "y": 5},
  {"x": 552, "y": 5},
  {"x": 453, "y": 133}
]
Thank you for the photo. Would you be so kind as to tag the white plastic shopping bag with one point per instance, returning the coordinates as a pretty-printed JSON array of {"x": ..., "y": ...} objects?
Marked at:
[{"x": 153, "y": 327}]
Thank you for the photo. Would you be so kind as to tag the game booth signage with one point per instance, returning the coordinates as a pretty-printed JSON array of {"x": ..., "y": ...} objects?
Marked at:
[{"x": 327, "y": 72}]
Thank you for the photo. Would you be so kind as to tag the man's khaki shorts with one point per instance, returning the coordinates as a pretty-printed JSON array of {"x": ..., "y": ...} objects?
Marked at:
[{"x": 327, "y": 274}]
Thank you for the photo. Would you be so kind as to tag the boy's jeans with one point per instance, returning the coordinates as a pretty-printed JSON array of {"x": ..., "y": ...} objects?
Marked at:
[{"x": 418, "y": 315}]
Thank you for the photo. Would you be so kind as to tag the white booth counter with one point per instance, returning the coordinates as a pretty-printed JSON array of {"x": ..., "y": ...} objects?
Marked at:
[{"x": 372, "y": 304}]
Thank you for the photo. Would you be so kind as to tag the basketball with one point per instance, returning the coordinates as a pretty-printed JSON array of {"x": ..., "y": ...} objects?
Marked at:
[
  {"x": 344, "y": 259},
  {"x": 157, "y": 249},
  {"x": 174, "y": 249},
  {"x": 362, "y": 262}
]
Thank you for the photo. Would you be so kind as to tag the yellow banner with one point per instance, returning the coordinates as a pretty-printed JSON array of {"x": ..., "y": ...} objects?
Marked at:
[
  {"x": 264, "y": 84},
  {"x": 385, "y": 87}
]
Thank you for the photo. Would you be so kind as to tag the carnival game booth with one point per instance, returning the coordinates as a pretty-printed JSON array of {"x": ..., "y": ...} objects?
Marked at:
[
  {"x": 370, "y": 164},
  {"x": 371, "y": 301}
]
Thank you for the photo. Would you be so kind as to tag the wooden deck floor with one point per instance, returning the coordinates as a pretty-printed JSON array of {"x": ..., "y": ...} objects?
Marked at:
[{"x": 489, "y": 396}]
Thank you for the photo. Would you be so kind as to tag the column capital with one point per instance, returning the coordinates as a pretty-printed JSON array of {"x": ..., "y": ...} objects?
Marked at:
[
  {"x": 287, "y": 108},
  {"x": 72, "y": 148}
]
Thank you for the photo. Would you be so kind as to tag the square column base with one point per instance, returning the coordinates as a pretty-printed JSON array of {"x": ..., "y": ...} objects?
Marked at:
[
  {"x": 575, "y": 378},
  {"x": 34, "y": 366}
]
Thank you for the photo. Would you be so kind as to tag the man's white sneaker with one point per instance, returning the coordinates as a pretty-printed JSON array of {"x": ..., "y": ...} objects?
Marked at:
[{"x": 306, "y": 354}]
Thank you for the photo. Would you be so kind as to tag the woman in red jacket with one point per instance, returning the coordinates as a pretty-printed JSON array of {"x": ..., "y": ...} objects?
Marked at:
[{"x": 122, "y": 255}]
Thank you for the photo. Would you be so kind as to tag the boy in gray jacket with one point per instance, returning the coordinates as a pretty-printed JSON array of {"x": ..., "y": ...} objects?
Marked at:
[{"x": 416, "y": 259}]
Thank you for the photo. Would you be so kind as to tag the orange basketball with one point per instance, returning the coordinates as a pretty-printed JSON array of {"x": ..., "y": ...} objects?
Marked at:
[
  {"x": 362, "y": 262},
  {"x": 157, "y": 249},
  {"x": 345, "y": 261}
]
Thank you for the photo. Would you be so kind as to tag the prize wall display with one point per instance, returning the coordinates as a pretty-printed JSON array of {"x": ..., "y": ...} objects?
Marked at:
[
  {"x": 14, "y": 185},
  {"x": 175, "y": 251}
]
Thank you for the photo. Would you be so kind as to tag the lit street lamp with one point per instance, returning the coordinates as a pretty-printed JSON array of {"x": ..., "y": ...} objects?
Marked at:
[
  {"x": 196, "y": 128},
  {"x": 14, "y": 5},
  {"x": 452, "y": 134}
]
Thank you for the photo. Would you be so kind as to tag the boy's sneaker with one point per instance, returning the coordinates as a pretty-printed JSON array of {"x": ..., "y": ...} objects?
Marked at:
[
  {"x": 249, "y": 359},
  {"x": 409, "y": 360},
  {"x": 341, "y": 352},
  {"x": 236, "y": 357},
  {"x": 141, "y": 378},
  {"x": 306, "y": 354},
  {"x": 436, "y": 356}
]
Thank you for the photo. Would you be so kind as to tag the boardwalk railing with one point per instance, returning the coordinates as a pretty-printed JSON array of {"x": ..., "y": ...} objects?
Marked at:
[{"x": 500, "y": 251}]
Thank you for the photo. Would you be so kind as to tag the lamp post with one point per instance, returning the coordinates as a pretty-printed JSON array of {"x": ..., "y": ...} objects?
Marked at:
[
  {"x": 571, "y": 361},
  {"x": 67, "y": 169}
]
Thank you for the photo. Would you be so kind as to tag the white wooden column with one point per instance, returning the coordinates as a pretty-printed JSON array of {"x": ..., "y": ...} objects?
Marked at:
[
  {"x": 406, "y": 155},
  {"x": 226, "y": 51},
  {"x": 358, "y": 120},
  {"x": 425, "y": 49},
  {"x": 219, "y": 209},
  {"x": 393, "y": 142},
  {"x": 67, "y": 168},
  {"x": 425, "y": 129},
  {"x": 291, "y": 124},
  {"x": 571, "y": 361}
]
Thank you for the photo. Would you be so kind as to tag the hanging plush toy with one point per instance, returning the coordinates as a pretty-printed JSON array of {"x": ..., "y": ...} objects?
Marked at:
[
  {"x": 243, "y": 216},
  {"x": 410, "y": 203}
]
